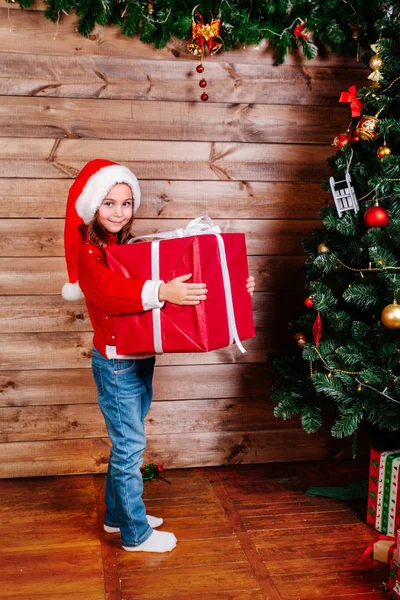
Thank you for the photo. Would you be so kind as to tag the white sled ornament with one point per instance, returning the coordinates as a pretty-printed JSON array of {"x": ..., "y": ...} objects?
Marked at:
[{"x": 344, "y": 195}]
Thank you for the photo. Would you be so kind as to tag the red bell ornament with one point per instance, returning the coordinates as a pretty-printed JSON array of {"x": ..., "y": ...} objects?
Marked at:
[
  {"x": 376, "y": 216},
  {"x": 202, "y": 83},
  {"x": 204, "y": 97}
]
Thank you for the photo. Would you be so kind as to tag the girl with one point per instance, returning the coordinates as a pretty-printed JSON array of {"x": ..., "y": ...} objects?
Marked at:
[{"x": 101, "y": 205}]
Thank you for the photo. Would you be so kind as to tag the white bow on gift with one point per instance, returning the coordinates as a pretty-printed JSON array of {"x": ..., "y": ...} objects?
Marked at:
[
  {"x": 200, "y": 226},
  {"x": 194, "y": 227}
]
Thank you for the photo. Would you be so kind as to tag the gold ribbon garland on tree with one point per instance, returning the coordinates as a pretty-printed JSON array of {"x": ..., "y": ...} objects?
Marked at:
[{"x": 204, "y": 36}]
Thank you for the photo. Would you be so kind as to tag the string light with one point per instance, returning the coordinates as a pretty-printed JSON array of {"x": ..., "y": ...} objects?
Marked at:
[
  {"x": 369, "y": 268},
  {"x": 287, "y": 28},
  {"x": 386, "y": 89},
  {"x": 333, "y": 370},
  {"x": 58, "y": 26},
  {"x": 362, "y": 384}
]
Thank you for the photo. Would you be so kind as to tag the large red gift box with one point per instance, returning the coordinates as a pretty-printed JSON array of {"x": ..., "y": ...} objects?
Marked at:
[
  {"x": 383, "y": 511},
  {"x": 198, "y": 328}
]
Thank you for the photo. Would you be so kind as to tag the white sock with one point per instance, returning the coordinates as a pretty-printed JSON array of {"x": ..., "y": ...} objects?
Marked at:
[
  {"x": 152, "y": 521},
  {"x": 159, "y": 541}
]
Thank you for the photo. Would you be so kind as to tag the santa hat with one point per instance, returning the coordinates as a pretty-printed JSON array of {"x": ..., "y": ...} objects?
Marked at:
[{"x": 86, "y": 194}]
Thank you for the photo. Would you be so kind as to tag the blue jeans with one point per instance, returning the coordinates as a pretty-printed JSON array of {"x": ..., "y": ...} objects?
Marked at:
[{"x": 124, "y": 394}]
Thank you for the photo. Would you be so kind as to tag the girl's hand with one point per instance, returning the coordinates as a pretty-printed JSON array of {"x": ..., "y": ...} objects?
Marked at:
[
  {"x": 179, "y": 292},
  {"x": 251, "y": 284}
]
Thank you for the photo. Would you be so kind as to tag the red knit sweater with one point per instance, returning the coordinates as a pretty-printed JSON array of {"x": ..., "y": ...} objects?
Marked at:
[{"x": 106, "y": 293}]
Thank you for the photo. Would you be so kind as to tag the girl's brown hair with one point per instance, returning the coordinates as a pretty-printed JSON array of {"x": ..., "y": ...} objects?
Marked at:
[{"x": 96, "y": 233}]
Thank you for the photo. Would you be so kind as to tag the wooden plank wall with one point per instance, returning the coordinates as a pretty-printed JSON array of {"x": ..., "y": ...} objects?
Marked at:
[{"x": 252, "y": 158}]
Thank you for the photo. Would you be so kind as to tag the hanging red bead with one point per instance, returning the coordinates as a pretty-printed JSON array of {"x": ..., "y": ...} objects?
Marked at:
[
  {"x": 204, "y": 97},
  {"x": 199, "y": 68},
  {"x": 202, "y": 83}
]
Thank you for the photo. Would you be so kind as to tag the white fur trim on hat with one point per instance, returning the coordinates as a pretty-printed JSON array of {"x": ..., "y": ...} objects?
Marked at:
[
  {"x": 98, "y": 186},
  {"x": 71, "y": 291}
]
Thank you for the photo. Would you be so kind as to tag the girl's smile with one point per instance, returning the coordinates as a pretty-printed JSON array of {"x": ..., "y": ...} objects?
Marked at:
[{"x": 116, "y": 209}]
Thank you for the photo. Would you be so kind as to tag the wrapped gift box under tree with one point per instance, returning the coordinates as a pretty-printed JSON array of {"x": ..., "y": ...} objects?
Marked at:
[
  {"x": 383, "y": 511},
  {"x": 394, "y": 580}
]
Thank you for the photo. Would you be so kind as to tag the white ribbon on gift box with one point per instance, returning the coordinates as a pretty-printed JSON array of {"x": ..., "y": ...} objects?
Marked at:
[{"x": 195, "y": 227}]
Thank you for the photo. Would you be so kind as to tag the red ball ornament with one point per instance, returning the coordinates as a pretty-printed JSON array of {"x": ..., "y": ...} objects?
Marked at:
[
  {"x": 352, "y": 137},
  {"x": 367, "y": 128},
  {"x": 340, "y": 140},
  {"x": 376, "y": 216},
  {"x": 308, "y": 302},
  {"x": 199, "y": 68},
  {"x": 204, "y": 97},
  {"x": 202, "y": 83}
]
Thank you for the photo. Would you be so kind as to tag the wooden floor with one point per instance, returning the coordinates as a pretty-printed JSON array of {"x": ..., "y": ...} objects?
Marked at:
[{"x": 245, "y": 533}]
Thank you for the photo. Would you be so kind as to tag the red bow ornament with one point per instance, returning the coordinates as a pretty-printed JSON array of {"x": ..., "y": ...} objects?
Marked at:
[
  {"x": 356, "y": 105},
  {"x": 301, "y": 31},
  {"x": 208, "y": 35}
]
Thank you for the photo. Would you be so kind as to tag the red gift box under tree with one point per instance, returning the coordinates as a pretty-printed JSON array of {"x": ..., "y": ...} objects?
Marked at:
[
  {"x": 218, "y": 260},
  {"x": 383, "y": 511},
  {"x": 394, "y": 581}
]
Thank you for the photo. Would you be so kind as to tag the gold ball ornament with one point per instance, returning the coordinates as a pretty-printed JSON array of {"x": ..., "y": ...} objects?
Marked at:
[
  {"x": 375, "y": 62},
  {"x": 323, "y": 248},
  {"x": 390, "y": 316},
  {"x": 383, "y": 151},
  {"x": 367, "y": 128}
]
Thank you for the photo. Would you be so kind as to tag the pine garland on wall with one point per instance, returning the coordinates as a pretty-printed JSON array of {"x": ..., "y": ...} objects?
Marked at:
[{"x": 337, "y": 24}]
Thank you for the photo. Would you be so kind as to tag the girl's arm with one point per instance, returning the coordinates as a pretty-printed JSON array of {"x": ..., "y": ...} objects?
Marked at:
[{"x": 111, "y": 292}]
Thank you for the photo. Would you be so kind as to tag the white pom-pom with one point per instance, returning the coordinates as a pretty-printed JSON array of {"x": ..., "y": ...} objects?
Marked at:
[{"x": 71, "y": 291}]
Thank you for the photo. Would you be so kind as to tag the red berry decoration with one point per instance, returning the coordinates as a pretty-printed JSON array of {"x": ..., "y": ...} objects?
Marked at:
[
  {"x": 204, "y": 97},
  {"x": 376, "y": 216},
  {"x": 308, "y": 302},
  {"x": 199, "y": 68},
  {"x": 202, "y": 83}
]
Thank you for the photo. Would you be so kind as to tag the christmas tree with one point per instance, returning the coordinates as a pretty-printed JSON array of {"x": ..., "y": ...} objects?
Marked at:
[{"x": 348, "y": 355}]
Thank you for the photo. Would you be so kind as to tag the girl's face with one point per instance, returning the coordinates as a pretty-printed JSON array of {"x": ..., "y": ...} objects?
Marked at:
[{"x": 116, "y": 209}]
